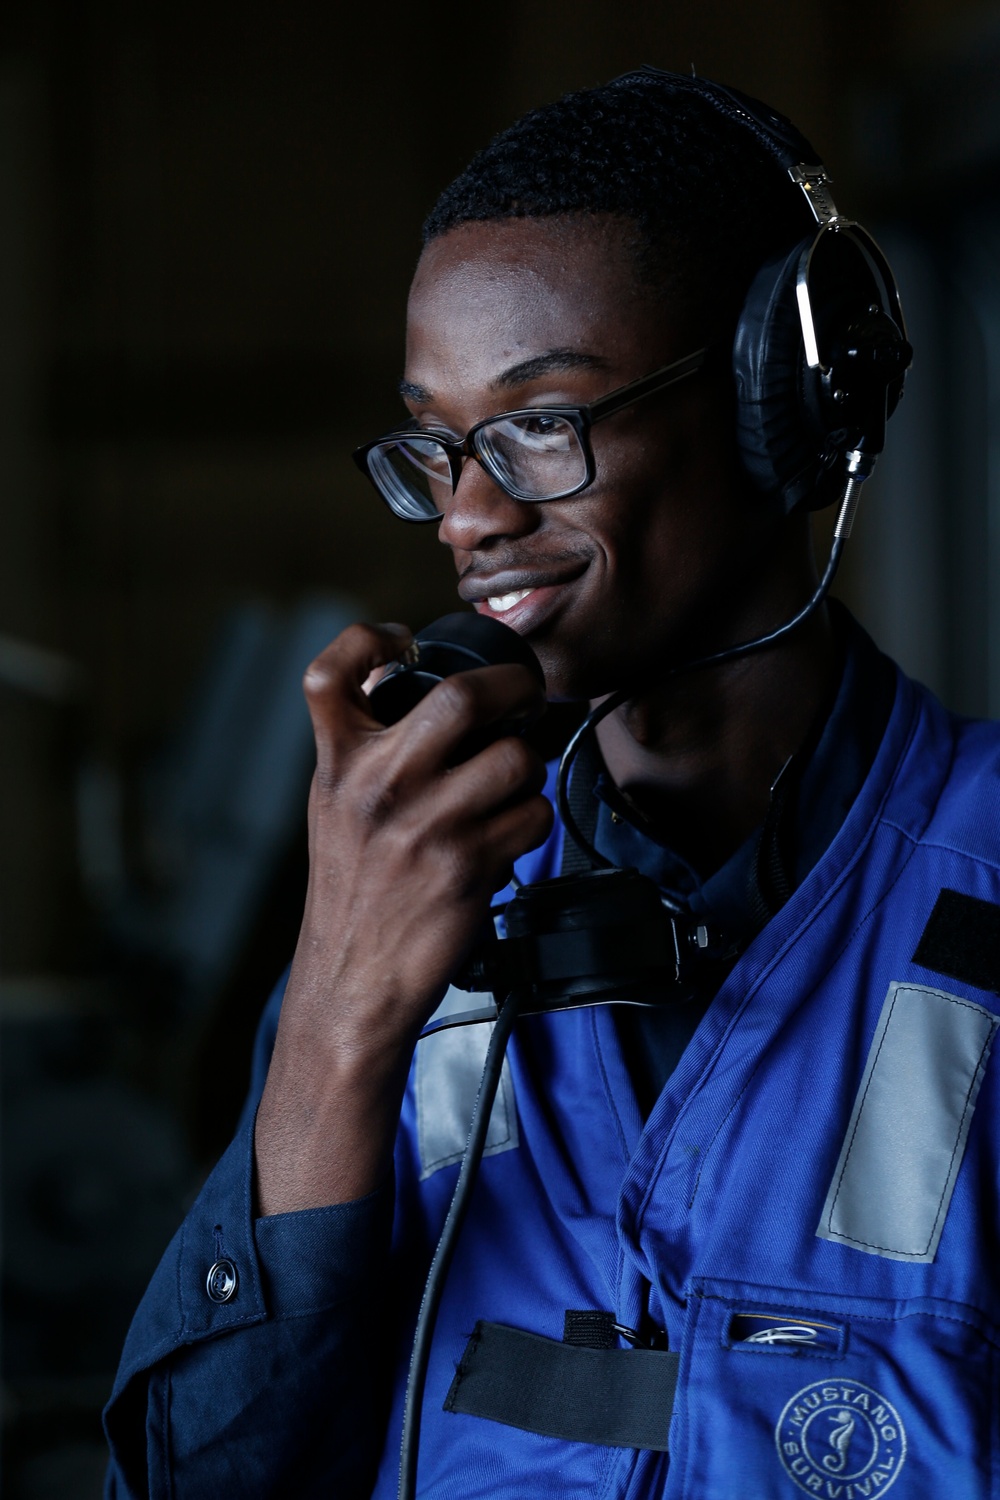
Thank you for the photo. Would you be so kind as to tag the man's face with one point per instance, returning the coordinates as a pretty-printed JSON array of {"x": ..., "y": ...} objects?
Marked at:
[{"x": 665, "y": 555}]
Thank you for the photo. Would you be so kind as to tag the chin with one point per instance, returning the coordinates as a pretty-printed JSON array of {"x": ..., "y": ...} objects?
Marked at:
[{"x": 577, "y": 679}]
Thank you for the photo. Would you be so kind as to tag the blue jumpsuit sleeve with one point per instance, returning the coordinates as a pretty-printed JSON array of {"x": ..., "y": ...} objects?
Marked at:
[{"x": 273, "y": 1392}]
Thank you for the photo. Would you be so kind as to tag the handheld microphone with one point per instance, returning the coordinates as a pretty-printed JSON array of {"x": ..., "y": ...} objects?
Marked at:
[
  {"x": 455, "y": 643},
  {"x": 574, "y": 940}
]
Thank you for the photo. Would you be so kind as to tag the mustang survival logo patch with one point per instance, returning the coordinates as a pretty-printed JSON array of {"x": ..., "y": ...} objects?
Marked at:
[{"x": 841, "y": 1440}]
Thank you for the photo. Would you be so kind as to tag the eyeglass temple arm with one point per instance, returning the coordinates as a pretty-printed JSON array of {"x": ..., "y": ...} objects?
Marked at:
[{"x": 605, "y": 406}]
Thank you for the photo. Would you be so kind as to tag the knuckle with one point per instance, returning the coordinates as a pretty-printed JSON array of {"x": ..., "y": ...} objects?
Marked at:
[
  {"x": 464, "y": 868},
  {"x": 318, "y": 678},
  {"x": 457, "y": 697},
  {"x": 377, "y": 794},
  {"x": 354, "y": 644},
  {"x": 515, "y": 762},
  {"x": 378, "y": 802}
]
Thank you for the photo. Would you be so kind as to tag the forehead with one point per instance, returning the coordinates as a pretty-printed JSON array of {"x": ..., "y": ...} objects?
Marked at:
[{"x": 490, "y": 295}]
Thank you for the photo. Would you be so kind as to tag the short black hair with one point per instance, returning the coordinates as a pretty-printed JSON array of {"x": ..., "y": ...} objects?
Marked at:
[{"x": 710, "y": 204}]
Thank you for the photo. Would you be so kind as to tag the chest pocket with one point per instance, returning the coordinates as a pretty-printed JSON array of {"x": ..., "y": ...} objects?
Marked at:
[{"x": 841, "y": 1398}]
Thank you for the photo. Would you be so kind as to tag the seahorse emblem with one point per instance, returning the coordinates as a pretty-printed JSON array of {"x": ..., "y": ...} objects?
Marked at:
[
  {"x": 837, "y": 1436},
  {"x": 840, "y": 1441}
]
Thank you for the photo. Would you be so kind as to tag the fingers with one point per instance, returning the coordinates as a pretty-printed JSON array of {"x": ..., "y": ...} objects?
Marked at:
[
  {"x": 474, "y": 863},
  {"x": 457, "y": 717},
  {"x": 334, "y": 682},
  {"x": 428, "y": 738},
  {"x": 406, "y": 781},
  {"x": 353, "y": 656},
  {"x": 512, "y": 832},
  {"x": 507, "y": 771},
  {"x": 474, "y": 700}
]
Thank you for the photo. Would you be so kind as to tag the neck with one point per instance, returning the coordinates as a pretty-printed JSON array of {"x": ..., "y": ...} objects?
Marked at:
[{"x": 697, "y": 756}]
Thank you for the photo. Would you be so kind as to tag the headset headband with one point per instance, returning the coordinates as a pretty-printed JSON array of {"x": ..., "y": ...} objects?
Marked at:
[
  {"x": 793, "y": 430},
  {"x": 775, "y": 132}
]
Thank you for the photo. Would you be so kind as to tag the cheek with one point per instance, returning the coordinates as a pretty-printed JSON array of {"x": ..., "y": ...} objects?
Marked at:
[
  {"x": 678, "y": 526},
  {"x": 650, "y": 510}
]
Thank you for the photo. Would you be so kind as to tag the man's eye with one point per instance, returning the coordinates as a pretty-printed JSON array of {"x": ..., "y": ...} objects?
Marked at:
[{"x": 541, "y": 430}]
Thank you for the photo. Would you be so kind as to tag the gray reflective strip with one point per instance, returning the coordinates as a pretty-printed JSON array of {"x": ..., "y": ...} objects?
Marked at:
[
  {"x": 448, "y": 1069},
  {"x": 904, "y": 1144}
]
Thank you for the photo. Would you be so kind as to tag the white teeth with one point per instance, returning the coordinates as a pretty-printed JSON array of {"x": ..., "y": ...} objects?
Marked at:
[{"x": 500, "y": 602}]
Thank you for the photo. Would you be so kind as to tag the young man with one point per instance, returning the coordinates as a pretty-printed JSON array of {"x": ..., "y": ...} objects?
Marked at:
[{"x": 777, "y": 1191}]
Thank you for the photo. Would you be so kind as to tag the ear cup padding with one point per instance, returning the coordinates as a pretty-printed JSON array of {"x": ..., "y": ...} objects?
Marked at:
[
  {"x": 779, "y": 444},
  {"x": 796, "y": 422}
]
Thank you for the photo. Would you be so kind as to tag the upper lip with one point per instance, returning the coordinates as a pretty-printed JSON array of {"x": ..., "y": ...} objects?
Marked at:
[{"x": 476, "y": 586}]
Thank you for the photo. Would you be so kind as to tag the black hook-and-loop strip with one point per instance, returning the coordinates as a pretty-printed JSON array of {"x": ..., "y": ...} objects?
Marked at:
[{"x": 619, "y": 1397}]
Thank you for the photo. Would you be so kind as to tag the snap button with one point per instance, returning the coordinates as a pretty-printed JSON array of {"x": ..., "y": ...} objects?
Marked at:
[{"x": 222, "y": 1281}]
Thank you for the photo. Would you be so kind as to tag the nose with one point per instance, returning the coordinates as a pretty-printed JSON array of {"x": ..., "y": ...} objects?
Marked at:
[{"x": 479, "y": 512}]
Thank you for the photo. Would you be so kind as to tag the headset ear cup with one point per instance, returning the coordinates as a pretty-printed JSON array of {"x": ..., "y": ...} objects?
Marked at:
[
  {"x": 795, "y": 422},
  {"x": 779, "y": 445}
]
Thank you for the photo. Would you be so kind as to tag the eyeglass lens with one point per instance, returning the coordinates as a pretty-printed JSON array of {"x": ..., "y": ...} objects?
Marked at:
[
  {"x": 413, "y": 474},
  {"x": 536, "y": 455},
  {"x": 533, "y": 456}
]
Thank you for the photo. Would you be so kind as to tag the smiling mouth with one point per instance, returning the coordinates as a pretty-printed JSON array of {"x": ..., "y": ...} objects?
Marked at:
[{"x": 499, "y": 603}]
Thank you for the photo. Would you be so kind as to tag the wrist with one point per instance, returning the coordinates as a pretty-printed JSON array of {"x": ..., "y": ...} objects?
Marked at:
[{"x": 326, "y": 1124}]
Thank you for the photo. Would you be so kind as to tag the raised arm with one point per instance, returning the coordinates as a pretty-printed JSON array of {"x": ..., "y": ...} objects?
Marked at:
[
  {"x": 406, "y": 849},
  {"x": 274, "y": 1389}
]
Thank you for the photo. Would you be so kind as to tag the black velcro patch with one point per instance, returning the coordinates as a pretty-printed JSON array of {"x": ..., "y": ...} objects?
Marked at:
[
  {"x": 962, "y": 940},
  {"x": 589, "y": 1330},
  {"x": 619, "y": 1397}
]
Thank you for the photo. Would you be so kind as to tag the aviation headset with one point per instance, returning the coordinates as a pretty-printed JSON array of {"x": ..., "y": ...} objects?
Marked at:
[
  {"x": 819, "y": 357},
  {"x": 820, "y": 349}
]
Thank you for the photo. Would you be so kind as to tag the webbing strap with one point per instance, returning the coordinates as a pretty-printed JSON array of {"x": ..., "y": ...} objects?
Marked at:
[
  {"x": 620, "y": 1397},
  {"x": 583, "y": 805}
]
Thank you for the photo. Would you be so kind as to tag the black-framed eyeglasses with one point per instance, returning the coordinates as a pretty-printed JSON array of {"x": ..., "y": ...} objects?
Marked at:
[{"x": 536, "y": 453}]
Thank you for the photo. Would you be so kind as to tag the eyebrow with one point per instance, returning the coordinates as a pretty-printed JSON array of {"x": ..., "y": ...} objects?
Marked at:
[
  {"x": 545, "y": 364},
  {"x": 527, "y": 369},
  {"x": 417, "y": 393}
]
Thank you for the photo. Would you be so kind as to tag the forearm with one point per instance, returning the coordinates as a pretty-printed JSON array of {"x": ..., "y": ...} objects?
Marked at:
[
  {"x": 326, "y": 1139},
  {"x": 330, "y": 1106}
]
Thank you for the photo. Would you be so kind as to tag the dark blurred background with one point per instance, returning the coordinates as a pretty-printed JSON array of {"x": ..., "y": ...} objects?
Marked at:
[{"x": 208, "y": 218}]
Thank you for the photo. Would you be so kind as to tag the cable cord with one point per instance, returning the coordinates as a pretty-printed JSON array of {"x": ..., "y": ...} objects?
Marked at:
[
  {"x": 728, "y": 653},
  {"x": 507, "y": 1013},
  {"x": 434, "y": 1286}
]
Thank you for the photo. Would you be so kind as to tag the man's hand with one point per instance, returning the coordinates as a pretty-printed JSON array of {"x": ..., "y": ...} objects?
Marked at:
[{"x": 406, "y": 850}]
